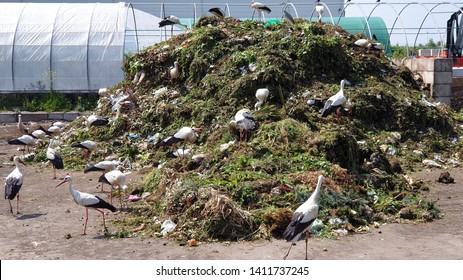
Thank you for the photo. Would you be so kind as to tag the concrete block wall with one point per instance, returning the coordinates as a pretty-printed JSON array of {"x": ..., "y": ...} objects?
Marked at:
[
  {"x": 38, "y": 116},
  {"x": 437, "y": 74}
]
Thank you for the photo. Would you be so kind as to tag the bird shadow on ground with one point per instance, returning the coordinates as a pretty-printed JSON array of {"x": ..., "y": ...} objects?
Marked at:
[
  {"x": 30, "y": 216},
  {"x": 102, "y": 236}
]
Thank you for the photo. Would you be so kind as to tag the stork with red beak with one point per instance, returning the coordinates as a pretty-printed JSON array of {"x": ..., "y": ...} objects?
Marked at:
[
  {"x": 88, "y": 201},
  {"x": 13, "y": 184}
]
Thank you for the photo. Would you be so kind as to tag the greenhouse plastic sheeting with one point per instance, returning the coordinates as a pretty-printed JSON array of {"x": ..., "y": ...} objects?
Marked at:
[{"x": 64, "y": 46}]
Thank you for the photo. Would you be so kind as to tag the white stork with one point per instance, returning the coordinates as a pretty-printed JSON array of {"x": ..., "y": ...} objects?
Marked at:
[
  {"x": 39, "y": 134},
  {"x": 88, "y": 201},
  {"x": 260, "y": 8},
  {"x": 171, "y": 20},
  {"x": 335, "y": 102},
  {"x": 363, "y": 43},
  {"x": 115, "y": 178},
  {"x": 303, "y": 218},
  {"x": 21, "y": 127},
  {"x": 320, "y": 9},
  {"x": 244, "y": 121},
  {"x": 174, "y": 71},
  {"x": 95, "y": 120},
  {"x": 103, "y": 166},
  {"x": 54, "y": 130},
  {"x": 59, "y": 124},
  {"x": 13, "y": 184},
  {"x": 88, "y": 146},
  {"x": 261, "y": 95},
  {"x": 54, "y": 156},
  {"x": 185, "y": 134},
  {"x": 25, "y": 140},
  {"x": 103, "y": 92},
  {"x": 218, "y": 12},
  {"x": 179, "y": 153}
]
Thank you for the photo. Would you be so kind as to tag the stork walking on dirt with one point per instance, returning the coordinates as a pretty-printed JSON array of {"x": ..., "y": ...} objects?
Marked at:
[
  {"x": 303, "y": 218},
  {"x": 13, "y": 184},
  {"x": 88, "y": 201},
  {"x": 25, "y": 140}
]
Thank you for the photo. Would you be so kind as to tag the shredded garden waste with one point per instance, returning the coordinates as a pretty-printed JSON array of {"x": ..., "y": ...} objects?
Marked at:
[{"x": 232, "y": 186}]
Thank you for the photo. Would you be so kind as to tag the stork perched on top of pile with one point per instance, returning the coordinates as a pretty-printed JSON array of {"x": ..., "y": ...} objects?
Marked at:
[
  {"x": 171, "y": 20},
  {"x": 218, "y": 12},
  {"x": 260, "y": 8},
  {"x": 320, "y": 9}
]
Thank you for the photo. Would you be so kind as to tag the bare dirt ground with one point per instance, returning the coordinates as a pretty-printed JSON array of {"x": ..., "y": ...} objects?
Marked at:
[{"x": 48, "y": 214}]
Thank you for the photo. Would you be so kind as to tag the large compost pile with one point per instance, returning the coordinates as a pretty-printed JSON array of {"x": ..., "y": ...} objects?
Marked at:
[{"x": 248, "y": 189}]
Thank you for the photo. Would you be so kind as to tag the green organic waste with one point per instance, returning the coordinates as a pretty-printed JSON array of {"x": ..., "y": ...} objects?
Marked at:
[{"x": 249, "y": 189}]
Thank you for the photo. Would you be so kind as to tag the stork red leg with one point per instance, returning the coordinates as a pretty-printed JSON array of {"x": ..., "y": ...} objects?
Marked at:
[
  {"x": 104, "y": 222},
  {"x": 17, "y": 204},
  {"x": 86, "y": 220},
  {"x": 287, "y": 253},
  {"x": 306, "y": 243}
]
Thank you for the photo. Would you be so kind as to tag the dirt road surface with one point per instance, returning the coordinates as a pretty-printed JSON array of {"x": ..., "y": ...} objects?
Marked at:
[{"x": 48, "y": 214}]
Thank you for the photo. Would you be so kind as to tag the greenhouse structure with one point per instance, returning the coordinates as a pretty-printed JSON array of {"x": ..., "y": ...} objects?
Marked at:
[{"x": 69, "y": 47}]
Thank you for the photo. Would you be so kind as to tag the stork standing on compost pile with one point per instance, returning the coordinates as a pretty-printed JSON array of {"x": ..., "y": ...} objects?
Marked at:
[
  {"x": 244, "y": 121},
  {"x": 260, "y": 8},
  {"x": 303, "y": 218},
  {"x": 320, "y": 9},
  {"x": 88, "y": 201},
  {"x": 185, "y": 134},
  {"x": 96, "y": 121},
  {"x": 54, "y": 156},
  {"x": 88, "y": 146},
  {"x": 218, "y": 12},
  {"x": 171, "y": 20},
  {"x": 335, "y": 102},
  {"x": 13, "y": 184},
  {"x": 174, "y": 71},
  {"x": 261, "y": 95}
]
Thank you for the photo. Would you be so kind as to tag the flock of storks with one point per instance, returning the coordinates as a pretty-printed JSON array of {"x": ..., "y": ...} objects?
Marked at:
[{"x": 113, "y": 174}]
